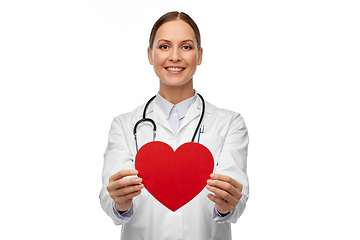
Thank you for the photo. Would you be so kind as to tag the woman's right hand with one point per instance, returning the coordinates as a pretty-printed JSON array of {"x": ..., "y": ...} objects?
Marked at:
[{"x": 122, "y": 190}]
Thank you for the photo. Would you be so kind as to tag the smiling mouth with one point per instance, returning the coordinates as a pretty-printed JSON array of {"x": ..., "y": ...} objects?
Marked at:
[{"x": 175, "y": 69}]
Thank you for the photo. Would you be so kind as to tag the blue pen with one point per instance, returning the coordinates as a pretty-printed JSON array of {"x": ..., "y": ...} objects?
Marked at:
[{"x": 200, "y": 132}]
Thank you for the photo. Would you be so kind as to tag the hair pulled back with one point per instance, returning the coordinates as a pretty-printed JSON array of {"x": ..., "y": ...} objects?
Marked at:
[{"x": 171, "y": 16}]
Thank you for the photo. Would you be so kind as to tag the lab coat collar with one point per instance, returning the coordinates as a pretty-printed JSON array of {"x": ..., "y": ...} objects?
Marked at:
[
  {"x": 194, "y": 111},
  {"x": 182, "y": 107}
]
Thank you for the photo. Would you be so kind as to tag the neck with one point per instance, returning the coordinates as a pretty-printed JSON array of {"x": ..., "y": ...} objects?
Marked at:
[{"x": 176, "y": 94}]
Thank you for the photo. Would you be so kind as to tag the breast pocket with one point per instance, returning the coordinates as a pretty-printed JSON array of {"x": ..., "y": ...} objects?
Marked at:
[{"x": 213, "y": 142}]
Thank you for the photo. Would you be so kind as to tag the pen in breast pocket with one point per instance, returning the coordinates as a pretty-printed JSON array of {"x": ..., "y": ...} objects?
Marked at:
[{"x": 201, "y": 130}]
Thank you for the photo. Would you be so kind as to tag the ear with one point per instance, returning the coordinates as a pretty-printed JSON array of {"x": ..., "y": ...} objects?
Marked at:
[
  {"x": 199, "y": 60},
  {"x": 150, "y": 56}
]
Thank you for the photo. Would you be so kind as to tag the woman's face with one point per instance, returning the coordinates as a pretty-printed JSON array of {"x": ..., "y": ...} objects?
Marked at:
[{"x": 175, "y": 53}]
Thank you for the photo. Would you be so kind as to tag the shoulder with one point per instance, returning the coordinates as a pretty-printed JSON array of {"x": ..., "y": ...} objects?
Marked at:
[
  {"x": 132, "y": 116},
  {"x": 221, "y": 112},
  {"x": 223, "y": 120},
  {"x": 136, "y": 112}
]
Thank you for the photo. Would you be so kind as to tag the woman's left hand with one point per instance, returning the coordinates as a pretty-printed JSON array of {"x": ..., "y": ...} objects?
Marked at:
[{"x": 227, "y": 192}]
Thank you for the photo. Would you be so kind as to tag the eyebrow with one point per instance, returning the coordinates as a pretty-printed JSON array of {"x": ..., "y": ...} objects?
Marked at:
[{"x": 187, "y": 40}]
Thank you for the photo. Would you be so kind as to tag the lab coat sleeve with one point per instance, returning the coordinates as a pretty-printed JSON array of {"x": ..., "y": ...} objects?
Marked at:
[
  {"x": 117, "y": 157},
  {"x": 232, "y": 162}
]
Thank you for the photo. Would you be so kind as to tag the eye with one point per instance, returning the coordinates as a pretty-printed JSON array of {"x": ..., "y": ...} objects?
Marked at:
[
  {"x": 187, "y": 47},
  {"x": 164, "y": 47}
]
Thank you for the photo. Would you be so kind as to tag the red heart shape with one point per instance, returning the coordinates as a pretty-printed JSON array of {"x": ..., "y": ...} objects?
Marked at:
[{"x": 174, "y": 178}]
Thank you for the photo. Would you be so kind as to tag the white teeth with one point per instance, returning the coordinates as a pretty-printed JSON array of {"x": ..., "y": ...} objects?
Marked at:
[{"x": 174, "y": 69}]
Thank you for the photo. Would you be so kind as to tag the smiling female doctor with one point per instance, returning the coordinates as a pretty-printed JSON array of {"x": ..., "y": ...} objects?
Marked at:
[{"x": 175, "y": 52}]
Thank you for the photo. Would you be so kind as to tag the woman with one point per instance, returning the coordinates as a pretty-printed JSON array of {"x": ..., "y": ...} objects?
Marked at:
[{"x": 175, "y": 52}]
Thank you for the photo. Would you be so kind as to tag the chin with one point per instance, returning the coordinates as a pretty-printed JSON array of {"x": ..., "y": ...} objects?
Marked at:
[{"x": 175, "y": 83}]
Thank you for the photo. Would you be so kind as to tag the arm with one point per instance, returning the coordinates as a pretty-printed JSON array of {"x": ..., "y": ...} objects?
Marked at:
[
  {"x": 118, "y": 157},
  {"x": 229, "y": 184}
]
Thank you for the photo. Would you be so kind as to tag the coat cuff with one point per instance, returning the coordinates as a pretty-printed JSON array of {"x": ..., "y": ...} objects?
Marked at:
[
  {"x": 220, "y": 218},
  {"x": 124, "y": 216}
]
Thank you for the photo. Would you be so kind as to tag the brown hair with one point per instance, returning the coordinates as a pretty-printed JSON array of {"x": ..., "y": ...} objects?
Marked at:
[{"x": 171, "y": 16}]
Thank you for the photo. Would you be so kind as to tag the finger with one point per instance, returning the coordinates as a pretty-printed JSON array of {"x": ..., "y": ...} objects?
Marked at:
[
  {"x": 127, "y": 190},
  {"x": 225, "y": 178},
  {"x": 127, "y": 197},
  {"x": 224, "y": 195},
  {"x": 123, "y": 173},
  {"x": 114, "y": 185},
  {"x": 226, "y": 187},
  {"x": 215, "y": 199},
  {"x": 220, "y": 204},
  {"x": 124, "y": 182}
]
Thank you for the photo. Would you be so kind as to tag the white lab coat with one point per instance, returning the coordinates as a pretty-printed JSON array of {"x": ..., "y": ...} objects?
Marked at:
[{"x": 225, "y": 135}]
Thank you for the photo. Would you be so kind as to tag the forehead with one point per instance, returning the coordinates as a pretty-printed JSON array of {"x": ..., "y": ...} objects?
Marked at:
[{"x": 176, "y": 30}]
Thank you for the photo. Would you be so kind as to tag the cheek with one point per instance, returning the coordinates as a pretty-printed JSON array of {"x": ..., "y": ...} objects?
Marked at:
[
  {"x": 159, "y": 59},
  {"x": 191, "y": 59}
]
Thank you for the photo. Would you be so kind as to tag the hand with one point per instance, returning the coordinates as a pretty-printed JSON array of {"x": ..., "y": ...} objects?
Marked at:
[
  {"x": 227, "y": 192},
  {"x": 122, "y": 190}
]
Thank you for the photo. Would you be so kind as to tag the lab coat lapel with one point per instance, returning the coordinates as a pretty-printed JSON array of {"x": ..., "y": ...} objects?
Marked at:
[
  {"x": 159, "y": 117},
  {"x": 192, "y": 113}
]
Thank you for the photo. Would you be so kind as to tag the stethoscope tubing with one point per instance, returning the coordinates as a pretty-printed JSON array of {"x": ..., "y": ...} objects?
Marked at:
[{"x": 201, "y": 117}]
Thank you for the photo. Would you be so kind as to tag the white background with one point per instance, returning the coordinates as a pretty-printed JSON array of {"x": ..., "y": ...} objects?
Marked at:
[{"x": 291, "y": 68}]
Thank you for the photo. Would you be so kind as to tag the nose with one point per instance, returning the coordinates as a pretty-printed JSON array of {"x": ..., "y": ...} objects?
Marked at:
[{"x": 175, "y": 55}]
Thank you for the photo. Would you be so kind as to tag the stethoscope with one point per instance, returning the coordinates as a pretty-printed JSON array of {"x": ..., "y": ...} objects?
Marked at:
[{"x": 144, "y": 119}]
